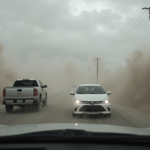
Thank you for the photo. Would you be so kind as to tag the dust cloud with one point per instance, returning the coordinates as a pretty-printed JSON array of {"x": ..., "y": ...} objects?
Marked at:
[
  {"x": 130, "y": 84},
  {"x": 6, "y": 73}
]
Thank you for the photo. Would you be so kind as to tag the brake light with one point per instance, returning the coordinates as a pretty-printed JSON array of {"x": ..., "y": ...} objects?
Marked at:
[
  {"x": 35, "y": 92},
  {"x": 4, "y": 93}
]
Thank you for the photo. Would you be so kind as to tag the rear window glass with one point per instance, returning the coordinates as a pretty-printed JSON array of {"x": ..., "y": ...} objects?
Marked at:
[
  {"x": 90, "y": 90},
  {"x": 25, "y": 83}
]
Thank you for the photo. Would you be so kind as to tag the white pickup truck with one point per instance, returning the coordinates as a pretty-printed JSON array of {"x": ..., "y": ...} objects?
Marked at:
[{"x": 23, "y": 93}]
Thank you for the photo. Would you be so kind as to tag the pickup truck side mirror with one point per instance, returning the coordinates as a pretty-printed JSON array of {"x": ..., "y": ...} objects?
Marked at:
[
  {"x": 45, "y": 86},
  {"x": 109, "y": 93},
  {"x": 71, "y": 93}
]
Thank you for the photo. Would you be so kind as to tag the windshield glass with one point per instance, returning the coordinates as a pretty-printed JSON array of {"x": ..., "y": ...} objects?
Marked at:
[
  {"x": 75, "y": 62},
  {"x": 90, "y": 90}
]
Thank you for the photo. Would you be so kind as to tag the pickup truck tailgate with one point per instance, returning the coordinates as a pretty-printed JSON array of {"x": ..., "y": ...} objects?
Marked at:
[{"x": 16, "y": 92}]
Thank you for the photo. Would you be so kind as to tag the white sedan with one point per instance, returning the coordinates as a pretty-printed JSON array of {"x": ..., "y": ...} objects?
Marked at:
[{"x": 91, "y": 99}]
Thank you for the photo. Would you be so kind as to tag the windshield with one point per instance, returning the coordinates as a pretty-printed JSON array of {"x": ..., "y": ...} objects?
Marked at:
[
  {"x": 87, "y": 62},
  {"x": 25, "y": 83},
  {"x": 90, "y": 90}
]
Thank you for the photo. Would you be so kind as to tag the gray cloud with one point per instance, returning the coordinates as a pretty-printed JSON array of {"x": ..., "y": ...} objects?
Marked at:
[{"x": 49, "y": 27}]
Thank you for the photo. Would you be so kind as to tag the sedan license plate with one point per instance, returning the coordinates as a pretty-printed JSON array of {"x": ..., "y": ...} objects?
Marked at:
[{"x": 19, "y": 101}]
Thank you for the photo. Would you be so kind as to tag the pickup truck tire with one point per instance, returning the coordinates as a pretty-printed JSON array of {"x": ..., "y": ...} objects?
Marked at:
[
  {"x": 9, "y": 108},
  {"x": 45, "y": 101},
  {"x": 39, "y": 105}
]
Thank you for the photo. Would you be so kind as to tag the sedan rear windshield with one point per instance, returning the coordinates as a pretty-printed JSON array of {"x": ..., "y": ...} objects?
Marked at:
[
  {"x": 90, "y": 90},
  {"x": 25, "y": 83}
]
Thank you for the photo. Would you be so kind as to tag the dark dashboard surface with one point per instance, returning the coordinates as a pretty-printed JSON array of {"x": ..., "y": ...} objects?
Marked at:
[{"x": 73, "y": 146}]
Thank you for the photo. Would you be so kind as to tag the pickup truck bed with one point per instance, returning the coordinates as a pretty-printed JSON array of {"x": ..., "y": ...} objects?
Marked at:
[{"x": 23, "y": 93}]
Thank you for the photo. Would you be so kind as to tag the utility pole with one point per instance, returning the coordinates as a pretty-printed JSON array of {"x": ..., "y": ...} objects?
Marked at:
[
  {"x": 149, "y": 17},
  {"x": 97, "y": 67},
  {"x": 149, "y": 11}
]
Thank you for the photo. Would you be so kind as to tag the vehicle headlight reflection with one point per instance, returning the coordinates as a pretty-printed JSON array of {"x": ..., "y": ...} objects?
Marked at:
[
  {"x": 106, "y": 102},
  {"x": 77, "y": 101}
]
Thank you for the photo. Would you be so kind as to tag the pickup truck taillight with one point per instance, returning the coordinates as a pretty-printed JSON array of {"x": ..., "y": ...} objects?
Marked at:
[
  {"x": 35, "y": 92},
  {"x": 4, "y": 93}
]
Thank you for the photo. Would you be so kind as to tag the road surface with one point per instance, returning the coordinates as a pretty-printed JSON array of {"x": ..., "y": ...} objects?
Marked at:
[{"x": 59, "y": 110}]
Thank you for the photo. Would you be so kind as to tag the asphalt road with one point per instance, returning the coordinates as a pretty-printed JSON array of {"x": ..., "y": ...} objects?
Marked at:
[{"x": 59, "y": 110}]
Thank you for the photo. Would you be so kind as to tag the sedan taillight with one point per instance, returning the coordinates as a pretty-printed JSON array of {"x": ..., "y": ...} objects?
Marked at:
[{"x": 4, "y": 93}]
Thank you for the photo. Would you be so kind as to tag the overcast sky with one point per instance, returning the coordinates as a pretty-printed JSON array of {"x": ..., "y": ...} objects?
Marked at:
[{"x": 79, "y": 29}]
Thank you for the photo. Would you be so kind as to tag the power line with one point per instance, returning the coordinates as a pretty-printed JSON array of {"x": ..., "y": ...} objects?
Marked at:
[
  {"x": 125, "y": 35},
  {"x": 131, "y": 36},
  {"x": 126, "y": 25},
  {"x": 124, "y": 39}
]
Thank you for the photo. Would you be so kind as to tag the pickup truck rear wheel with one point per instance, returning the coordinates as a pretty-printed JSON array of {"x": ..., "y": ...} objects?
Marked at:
[
  {"x": 45, "y": 101},
  {"x": 9, "y": 108},
  {"x": 38, "y": 106}
]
